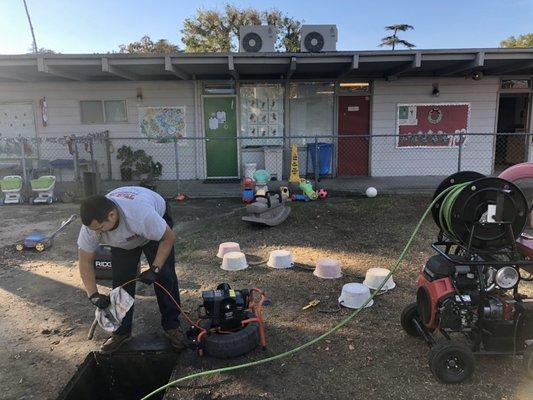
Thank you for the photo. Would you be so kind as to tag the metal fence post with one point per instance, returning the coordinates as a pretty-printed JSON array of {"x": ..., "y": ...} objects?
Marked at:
[
  {"x": 91, "y": 150},
  {"x": 317, "y": 172},
  {"x": 107, "y": 142},
  {"x": 77, "y": 164},
  {"x": 177, "y": 165},
  {"x": 23, "y": 163},
  {"x": 459, "y": 156}
]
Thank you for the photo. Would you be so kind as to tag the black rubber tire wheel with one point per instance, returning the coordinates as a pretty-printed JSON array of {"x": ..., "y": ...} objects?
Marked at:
[
  {"x": 406, "y": 319},
  {"x": 528, "y": 361},
  {"x": 235, "y": 344},
  {"x": 451, "y": 362}
]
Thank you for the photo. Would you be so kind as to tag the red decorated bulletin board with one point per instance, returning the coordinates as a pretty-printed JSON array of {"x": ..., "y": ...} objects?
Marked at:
[{"x": 430, "y": 125}]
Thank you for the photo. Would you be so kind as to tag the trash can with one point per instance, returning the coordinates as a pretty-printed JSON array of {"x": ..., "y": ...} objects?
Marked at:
[
  {"x": 89, "y": 184},
  {"x": 325, "y": 156}
]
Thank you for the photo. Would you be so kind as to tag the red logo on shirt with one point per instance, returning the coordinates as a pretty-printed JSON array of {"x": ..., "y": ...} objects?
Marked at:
[{"x": 125, "y": 195}]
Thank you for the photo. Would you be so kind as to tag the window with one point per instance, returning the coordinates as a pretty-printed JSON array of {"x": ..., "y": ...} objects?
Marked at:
[
  {"x": 354, "y": 87},
  {"x": 516, "y": 84},
  {"x": 219, "y": 88},
  {"x": 311, "y": 113},
  {"x": 91, "y": 112},
  {"x": 115, "y": 111},
  {"x": 99, "y": 112}
]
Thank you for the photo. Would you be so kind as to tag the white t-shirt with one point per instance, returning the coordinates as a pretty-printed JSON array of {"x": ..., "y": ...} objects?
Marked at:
[{"x": 140, "y": 220}]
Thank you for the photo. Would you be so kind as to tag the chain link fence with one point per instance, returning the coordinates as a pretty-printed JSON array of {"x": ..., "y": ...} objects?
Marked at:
[{"x": 194, "y": 166}]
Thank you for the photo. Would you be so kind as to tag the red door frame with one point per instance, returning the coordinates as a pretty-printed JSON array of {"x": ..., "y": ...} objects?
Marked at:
[{"x": 353, "y": 154}]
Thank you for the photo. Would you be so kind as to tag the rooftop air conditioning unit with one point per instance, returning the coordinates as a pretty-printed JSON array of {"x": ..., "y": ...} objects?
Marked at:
[
  {"x": 257, "y": 38},
  {"x": 317, "y": 38}
]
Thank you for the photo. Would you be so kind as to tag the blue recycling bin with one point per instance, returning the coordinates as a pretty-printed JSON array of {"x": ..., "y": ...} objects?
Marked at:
[{"x": 325, "y": 155}]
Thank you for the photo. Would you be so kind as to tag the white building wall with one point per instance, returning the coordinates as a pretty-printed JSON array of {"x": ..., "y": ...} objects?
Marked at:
[
  {"x": 477, "y": 152},
  {"x": 64, "y": 118}
]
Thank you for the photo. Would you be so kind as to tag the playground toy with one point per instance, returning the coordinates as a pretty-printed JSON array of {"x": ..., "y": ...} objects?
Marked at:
[
  {"x": 299, "y": 197},
  {"x": 371, "y": 192},
  {"x": 322, "y": 193},
  {"x": 40, "y": 241},
  {"x": 11, "y": 187},
  {"x": 44, "y": 187},
  {"x": 284, "y": 192},
  {"x": 308, "y": 190},
  {"x": 268, "y": 209},
  {"x": 311, "y": 304},
  {"x": 248, "y": 187},
  {"x": 247, "y": 195},
  {"x": 261, "y": 177}
]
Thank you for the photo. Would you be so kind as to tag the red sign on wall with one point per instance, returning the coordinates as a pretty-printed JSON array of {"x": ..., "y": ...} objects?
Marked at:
[{"x": 432, "y": 125}]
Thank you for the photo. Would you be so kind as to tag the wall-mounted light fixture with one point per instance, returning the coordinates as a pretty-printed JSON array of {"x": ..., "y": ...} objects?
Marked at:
[
  {"x": 139, "y": 94},
  {"x": 436, "y": 91},
  {"x": 477, "y": 75}
]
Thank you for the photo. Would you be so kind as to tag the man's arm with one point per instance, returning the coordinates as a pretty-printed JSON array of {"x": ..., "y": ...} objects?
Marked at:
[
  {"x": 165, "y": 246},
  {"x": 85, "y": 264}
]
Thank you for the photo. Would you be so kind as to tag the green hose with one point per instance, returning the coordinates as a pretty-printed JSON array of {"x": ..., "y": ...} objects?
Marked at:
[
  {"x": 445, "y": 211},
  {"x": 324, "y": 335}
]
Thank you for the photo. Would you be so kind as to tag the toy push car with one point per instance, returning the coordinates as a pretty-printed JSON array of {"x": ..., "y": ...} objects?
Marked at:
[{"x": 40, "y": 241}]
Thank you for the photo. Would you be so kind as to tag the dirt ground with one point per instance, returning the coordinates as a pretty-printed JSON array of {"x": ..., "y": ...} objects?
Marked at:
[{"x": 45, "y": 315}]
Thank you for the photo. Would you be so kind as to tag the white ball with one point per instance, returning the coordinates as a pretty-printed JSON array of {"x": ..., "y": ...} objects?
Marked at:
[{"x": 371, "y": 192}]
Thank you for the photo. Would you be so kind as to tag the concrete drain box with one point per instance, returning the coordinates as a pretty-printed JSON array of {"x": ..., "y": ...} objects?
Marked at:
[{"x": 120, "y": 376}]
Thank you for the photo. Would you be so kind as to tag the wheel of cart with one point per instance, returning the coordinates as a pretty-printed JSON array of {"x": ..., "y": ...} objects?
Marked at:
[
  {"x": 528, "y": 361},
  {"x": 19, "y": 246},
  {"x": 41, "y": 246},
  {"x": 409, "y": 314},
  {"x": 451, "y": 362}
]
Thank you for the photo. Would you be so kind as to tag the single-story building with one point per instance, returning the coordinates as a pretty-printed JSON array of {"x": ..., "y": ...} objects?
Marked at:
[{"x": 385, "y": 113}]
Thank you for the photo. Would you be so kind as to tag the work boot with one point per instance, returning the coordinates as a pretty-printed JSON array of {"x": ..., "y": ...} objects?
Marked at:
[
  {"x": 175, "y": 337},
  {"x": 113, "y": 342}
]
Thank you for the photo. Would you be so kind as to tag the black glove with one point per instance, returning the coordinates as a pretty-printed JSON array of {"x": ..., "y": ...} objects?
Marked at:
[
  {"x": 149, "y": 276},
  {"x": 100, "y": 300}
]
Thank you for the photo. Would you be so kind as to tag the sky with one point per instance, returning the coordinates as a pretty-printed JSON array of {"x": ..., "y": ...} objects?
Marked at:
[{"x": 100, "y": 26}]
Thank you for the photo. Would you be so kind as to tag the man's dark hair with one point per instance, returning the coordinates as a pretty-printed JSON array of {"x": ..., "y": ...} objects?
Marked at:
[{"x": 96, "y": 208}]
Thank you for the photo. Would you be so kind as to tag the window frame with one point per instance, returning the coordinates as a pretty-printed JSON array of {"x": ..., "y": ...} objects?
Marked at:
[{"x": 104, "y": 115}]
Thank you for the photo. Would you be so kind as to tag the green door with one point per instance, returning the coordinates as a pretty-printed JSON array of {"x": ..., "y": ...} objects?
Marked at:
[{"x": 220, "y": 121}]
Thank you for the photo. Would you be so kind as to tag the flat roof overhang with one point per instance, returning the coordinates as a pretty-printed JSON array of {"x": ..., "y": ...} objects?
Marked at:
[{"x": 260, "y": 66}]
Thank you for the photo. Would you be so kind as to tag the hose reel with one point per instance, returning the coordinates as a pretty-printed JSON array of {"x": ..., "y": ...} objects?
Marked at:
[{"x": 479, "y": 210}]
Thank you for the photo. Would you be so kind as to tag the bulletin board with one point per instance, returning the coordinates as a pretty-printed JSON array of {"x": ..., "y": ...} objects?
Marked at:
[
  {"x": 430, "y": 125},
  {"x": 262, "y": 115}
]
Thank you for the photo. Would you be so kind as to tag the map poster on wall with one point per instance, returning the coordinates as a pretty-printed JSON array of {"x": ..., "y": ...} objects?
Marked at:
[
  {"x": 162, "y": 123},
  {"x": 431, "y": 125}
]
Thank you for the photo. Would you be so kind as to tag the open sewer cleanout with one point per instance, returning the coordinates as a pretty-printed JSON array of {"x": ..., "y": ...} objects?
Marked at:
[{"x": 120, "y": 376}]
